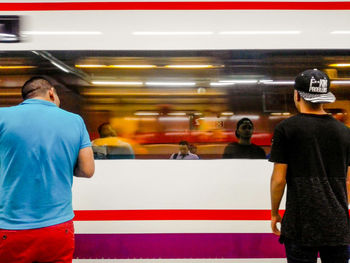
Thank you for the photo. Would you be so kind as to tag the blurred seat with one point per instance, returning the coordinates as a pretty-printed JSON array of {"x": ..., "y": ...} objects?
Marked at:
[
  {"x": 210, "y": 151},
  {"x": 113, "y": 152},
  {"x": 159, "y": 151}
]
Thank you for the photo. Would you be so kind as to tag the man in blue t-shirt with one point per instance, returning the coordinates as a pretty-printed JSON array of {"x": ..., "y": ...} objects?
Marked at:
[{"x": 41, "y": 148}]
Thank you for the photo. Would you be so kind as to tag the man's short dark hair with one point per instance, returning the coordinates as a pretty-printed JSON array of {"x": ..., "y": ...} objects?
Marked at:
[
  {"x": 35, "y": 86},
  {"x": 314, "y": 106},
  {"x": 240, "y": 122},
  {"x": 183, "y": 143},
  {"x": 100, "y": 127}
]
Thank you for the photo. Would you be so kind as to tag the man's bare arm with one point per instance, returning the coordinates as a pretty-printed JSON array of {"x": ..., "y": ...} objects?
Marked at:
[
  {"x": 278, "y": 183},
  {"x": 348, "y": 184},
  {"x": 85, "y": 166}
]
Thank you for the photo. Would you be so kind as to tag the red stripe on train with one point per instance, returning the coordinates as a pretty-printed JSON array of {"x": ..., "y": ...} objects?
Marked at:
[
  {"x": 120, "y": 215},
  {"x": 175, "y": 6}
]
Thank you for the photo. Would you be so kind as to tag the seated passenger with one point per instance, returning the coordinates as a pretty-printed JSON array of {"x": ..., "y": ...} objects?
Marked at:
[
  {"x": 109, "y": 146},
  {"x": 184, "y": 153},
  {"x": 244, "y": 149},
  {"x": 192, "y": 148}
]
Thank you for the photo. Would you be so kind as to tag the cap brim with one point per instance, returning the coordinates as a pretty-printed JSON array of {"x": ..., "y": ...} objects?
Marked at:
[{"x": 318, "y": 98}]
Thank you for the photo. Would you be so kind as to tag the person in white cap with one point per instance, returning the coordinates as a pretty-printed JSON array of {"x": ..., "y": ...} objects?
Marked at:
[{"x": 311, "y": 155}]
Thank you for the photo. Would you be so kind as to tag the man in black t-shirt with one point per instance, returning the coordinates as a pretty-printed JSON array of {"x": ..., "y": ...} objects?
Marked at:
[
  {"x": 311, "y": 152},
  {"x": 243, "y": 149}
]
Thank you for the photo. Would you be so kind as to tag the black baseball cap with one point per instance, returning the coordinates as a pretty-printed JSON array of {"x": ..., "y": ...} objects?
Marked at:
[{"x": 313, "y": 86}]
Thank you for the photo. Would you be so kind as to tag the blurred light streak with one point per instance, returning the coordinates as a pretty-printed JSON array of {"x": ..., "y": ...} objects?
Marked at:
[
  {"x": 91, "y": 66},
  {"x": 154, "y": 33},
  {"x": 177, "y": 113},
  {"x": 218, "y": 84},
  {"x": 107, "y": 92},
  {"x": 60, "y": 33},
  {"x": 132, "y": 66},
  {"x": 287, "y": 82},
  {"x": 340, "y": 65},
  {"x": 17, "y": 67},
  {"x": 251, "y": 117},
  {"x": 340, "y": 82},
  {"x": 243, "y": 81},
  {"x": 277, "y": 117},
  {"x": 5, "y": 94},
  {"x": 117, "y": 66},
  {"x": 191, "y": 84},
  {"x": 292, "y": 32},
  {"x": 341, "y": 32},
  {"x": 4, "y": 35},
  {"x": 60, "y": 67},
  {"x": 147, "y": 119},
  {"x": 280, "y": 114},
  {"x": 173, "y": 118},
  {"x": 189, "y": 66},
  {"x": 146, "y": 113},
  {"x": 118, "y": 83},
  {"x": 227, "y": 113}
]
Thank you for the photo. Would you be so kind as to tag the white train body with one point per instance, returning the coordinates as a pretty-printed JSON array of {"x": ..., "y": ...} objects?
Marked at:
[{"x": 161, "y": 210}]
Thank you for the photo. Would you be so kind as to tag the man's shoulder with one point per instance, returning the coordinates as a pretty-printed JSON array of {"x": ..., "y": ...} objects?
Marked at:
[
  {"x": 256, "y": 146},
  {"x": 289, "y": 121},
  {"x": 68, "y": 115},
  {"x": 232, "y": 144},
  {"x": 194, "y": 156},
  {"x": 4, "y": 110}
]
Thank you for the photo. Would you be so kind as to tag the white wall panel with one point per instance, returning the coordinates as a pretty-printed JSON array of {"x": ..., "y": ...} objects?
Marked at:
[
  {"x": 168, "y": 184},
  {"x": 116, "y": 29}
]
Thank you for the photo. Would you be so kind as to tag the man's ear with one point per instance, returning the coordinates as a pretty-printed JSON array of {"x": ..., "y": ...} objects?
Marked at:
[
  {"x": 297, "y": 95},
  {"x": 52, "y": 94}
]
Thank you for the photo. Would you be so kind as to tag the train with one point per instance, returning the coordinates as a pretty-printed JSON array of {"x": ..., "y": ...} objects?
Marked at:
[{"x": 162, "y": 72}]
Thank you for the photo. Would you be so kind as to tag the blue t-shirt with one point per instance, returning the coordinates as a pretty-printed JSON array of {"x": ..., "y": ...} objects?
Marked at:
[{"x": 39, "y": 147}]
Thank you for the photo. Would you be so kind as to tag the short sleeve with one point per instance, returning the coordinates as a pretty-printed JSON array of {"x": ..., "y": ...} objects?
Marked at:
[
  {"x": 261, "y": 153},
  {"x": 279, "y": 153},
  {"x": 229, "y": 152},
  {"x": 85, "y": 138}
]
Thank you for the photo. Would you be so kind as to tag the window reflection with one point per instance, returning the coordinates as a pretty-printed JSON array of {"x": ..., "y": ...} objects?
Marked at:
[{"x": 146, "y": 111}]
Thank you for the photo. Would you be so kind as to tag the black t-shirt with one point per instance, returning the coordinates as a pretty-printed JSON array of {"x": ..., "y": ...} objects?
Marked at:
[
  {"x": 241, "y": 151},
  {"x": 317, "y": 151}
]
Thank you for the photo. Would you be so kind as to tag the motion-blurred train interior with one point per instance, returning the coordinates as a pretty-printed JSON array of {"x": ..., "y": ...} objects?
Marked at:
[{"x": 154, "y": 99}]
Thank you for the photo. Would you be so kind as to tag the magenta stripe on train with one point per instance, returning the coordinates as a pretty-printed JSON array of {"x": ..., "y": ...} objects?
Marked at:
[{"x": 175, "y": 246}]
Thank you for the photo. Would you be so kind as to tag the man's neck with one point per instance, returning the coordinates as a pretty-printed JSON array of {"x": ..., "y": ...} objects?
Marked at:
[
  {"x": 244, "y": 141},
  {"x": 308, "y": 110},
  {"x": 42, "y": 98}
]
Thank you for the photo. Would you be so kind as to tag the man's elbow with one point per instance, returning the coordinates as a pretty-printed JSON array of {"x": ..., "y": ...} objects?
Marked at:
[
  {"x": 278, "y": 181},
  {"x": 89, "y": 174},
  {"x": 90, "y": 171},
  {"x": 86, "y": 172}
]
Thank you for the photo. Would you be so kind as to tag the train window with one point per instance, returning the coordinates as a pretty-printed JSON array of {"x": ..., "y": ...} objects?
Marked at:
[
  {"x": 9, "y": 29},
  {"x": 177, "y": 104}
]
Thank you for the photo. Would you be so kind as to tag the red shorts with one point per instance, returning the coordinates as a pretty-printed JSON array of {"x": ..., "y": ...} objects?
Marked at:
[{"x": 47, "y": 244}]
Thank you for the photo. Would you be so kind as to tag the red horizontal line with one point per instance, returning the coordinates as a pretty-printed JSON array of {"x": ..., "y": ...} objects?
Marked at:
[
  {"x": 174, "y": 6},
  {"x": 120, "y": 215}
]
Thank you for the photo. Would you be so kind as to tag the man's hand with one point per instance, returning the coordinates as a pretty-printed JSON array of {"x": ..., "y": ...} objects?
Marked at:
[
  {"x": 278, "y": 183},
  {"x": 274, "y": 220}
]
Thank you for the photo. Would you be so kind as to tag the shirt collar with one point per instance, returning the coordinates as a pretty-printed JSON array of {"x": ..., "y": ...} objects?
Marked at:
[{"x": 39, "y": 101}]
